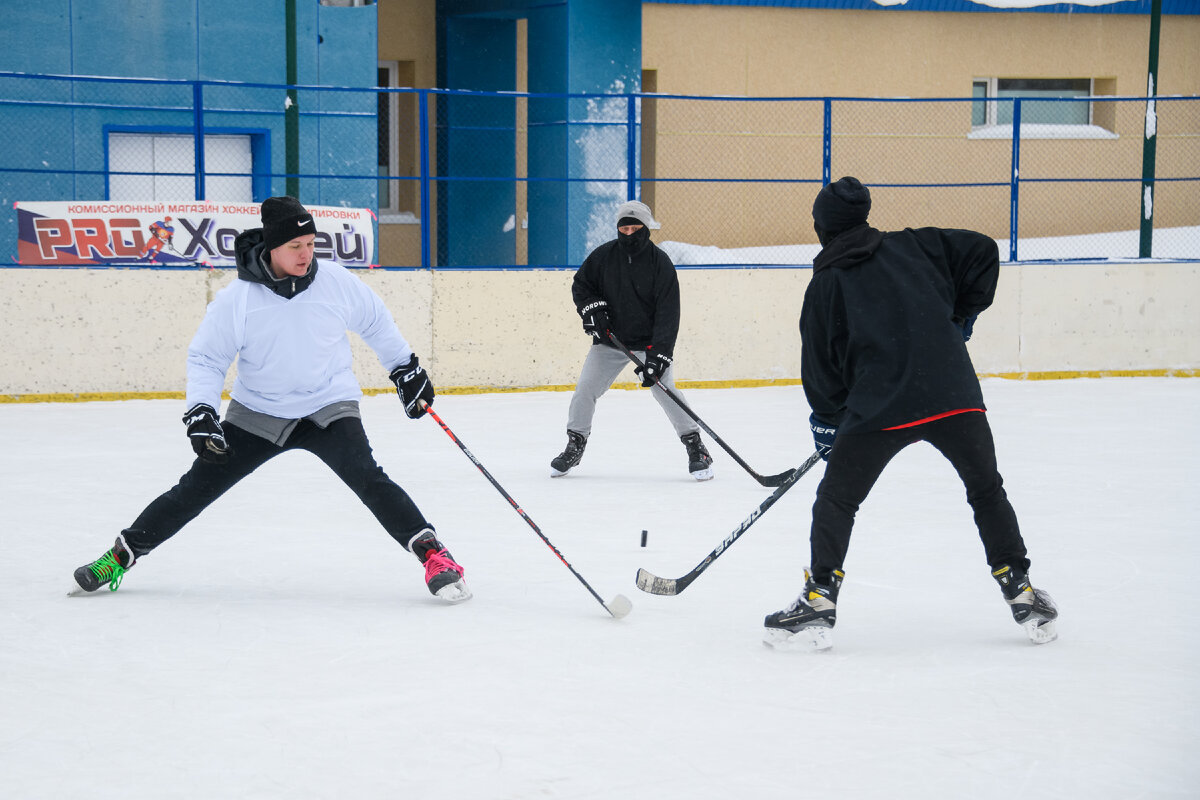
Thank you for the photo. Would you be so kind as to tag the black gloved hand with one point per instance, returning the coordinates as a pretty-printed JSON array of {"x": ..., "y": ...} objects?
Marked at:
[
  {"x": 654, "y": 369},
  {"x": 596, "y": 321},
  {"x": 205, "y": 434},
  {"x": 823, "y": 435},
  {"x": 413, "y": 386},
  {"x": 966, "y": 325}
]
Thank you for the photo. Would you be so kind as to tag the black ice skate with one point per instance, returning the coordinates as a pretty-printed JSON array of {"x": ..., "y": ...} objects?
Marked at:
[
  {"x": 443, "y": 575},
  {"x": 564, "y": 461},
  {"x": 807, "y": 624},
  {"x": 699, "y": 461},
  {"x": 108, "y": 569},
  {"x": 1033, "y": 609}
]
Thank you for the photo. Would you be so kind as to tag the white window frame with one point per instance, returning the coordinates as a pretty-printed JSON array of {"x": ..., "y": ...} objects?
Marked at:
[
  {"x": 992, "y": 129},
  {"x": 168, "y": 160},
  {"x": 389, "y": 205}
]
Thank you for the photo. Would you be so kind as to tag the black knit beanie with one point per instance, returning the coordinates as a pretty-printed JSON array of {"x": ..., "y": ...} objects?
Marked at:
[
  {"x": 283, "y": 219},
  {"x": 841, "y": 205}
]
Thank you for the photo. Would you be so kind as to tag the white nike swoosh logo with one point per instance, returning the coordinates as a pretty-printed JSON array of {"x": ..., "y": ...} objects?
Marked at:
[{"x": 300, "y": 223}]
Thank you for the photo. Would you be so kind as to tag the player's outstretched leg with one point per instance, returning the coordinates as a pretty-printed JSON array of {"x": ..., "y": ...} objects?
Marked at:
[
  {"x": 1033, "y": 609},
  {"x": 443, "y": 575},
  {"x": 107, "y": 570},
  {"x": 807, "y": 624},
  {"x": 699, "y": 461},
  {"x": 562, "y": 463}
]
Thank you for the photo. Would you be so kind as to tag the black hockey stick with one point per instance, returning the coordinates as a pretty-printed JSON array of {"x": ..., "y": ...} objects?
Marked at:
[
  {"x": 649, "y": 582},
  {"x": 619, "y": 606},
  {"x": 765, "y": 480}
]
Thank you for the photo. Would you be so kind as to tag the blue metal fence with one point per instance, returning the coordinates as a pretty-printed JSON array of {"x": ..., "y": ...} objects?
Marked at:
[{"x": 505, "y": 180}]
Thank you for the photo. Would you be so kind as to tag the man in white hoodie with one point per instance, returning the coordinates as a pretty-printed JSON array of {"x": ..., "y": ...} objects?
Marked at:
[{"x": 285, "y": 320}]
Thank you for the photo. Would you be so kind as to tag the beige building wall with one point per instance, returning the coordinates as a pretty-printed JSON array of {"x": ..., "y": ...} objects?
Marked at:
[
  {"x": 886, "y": 53},
  {"x": 407, "y": 35}
]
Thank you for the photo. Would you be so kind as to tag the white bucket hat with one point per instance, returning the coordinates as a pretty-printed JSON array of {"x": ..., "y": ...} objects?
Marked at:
[{"x": 639, "y": 211}]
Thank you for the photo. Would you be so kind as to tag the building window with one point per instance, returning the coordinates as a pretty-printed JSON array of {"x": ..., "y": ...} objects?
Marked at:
[
  {"x": 397, "y": 137},
  {"x": 162, "y": 166},
  {"x": 1048, "y": 113}
]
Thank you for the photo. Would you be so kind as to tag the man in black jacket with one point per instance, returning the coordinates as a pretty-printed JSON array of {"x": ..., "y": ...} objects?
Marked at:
[
  {"x": 628, "y": 287},
  {"x": 884, "y": 364}
]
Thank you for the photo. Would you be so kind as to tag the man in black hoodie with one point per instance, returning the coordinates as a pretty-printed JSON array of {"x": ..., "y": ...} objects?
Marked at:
[
  {"x": 628, "y": 287},
  {"x": 884, "y": 364}
]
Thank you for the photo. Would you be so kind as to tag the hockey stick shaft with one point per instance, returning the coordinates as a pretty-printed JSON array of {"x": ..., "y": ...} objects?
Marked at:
[
  {"x": 619, "y": 606},
  {"x": 649, "y": 582},
  {"x": 765, "y": 480}
]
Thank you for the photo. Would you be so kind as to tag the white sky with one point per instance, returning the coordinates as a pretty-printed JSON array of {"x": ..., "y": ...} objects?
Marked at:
[{"x": 282, "y": 646}]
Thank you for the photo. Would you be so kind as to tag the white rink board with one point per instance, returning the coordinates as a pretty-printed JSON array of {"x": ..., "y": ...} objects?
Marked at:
[{"x": 126, "y": 332}]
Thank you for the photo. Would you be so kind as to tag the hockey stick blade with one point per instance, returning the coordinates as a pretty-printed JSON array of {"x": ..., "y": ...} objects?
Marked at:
[
  {"x": 619, "y": 606},
  {"x": 652, "y": 584},
  {"x": 775, "y": 481},
  {"x": 763, "y": 480}
]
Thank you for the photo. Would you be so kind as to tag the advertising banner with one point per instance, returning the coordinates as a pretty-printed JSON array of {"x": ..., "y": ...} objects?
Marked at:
[{"x": 171, "y": 234}]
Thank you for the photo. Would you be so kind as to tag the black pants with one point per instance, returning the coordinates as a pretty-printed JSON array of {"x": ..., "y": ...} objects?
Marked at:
[
  {"x": 857, "y": 460},
  {"x": 344, "y": 448}
]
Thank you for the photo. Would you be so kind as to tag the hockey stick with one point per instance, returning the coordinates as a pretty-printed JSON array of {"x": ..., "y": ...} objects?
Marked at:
[
  {"x": 649, "y": 582},
  {"x": 765, "y": 480},
  {"x": 619, "y": 606}
]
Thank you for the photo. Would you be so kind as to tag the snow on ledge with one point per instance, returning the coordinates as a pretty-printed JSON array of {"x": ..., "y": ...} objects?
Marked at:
[{"x": 1043, "y": 132}]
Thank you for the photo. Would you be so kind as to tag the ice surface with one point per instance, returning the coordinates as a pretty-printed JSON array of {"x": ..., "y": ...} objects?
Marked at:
[{"x": 283, "y": 646}]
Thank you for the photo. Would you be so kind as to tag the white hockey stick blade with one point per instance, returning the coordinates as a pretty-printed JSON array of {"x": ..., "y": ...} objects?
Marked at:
[
  {"x": 805, "y": 640},
  {"x": 649, "y": 582},
  {"x": 619, "y": 606}
]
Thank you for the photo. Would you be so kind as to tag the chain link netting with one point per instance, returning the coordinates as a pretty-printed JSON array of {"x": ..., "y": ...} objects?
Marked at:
[{"x": 476, "y": 179}]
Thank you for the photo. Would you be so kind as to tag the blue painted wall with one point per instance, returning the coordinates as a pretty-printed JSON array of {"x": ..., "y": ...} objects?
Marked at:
[
  {"x": 188, "y": 40},
  {"x": 574, "y": 47}
]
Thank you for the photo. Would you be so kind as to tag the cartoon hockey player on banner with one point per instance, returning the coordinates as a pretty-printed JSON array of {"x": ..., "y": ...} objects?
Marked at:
[{"x": 161, "y": 234}]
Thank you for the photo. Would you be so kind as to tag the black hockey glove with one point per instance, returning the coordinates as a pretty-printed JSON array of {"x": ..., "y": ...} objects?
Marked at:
[
  {"x": 654, "y": 369},
  {"x": 204, "y": 431},
  {"x": 413, "y": 386},
  {"x": 966, "y": 325},
  {"x": 596, "y": 321},
  {"x": 823, "y": 435}
]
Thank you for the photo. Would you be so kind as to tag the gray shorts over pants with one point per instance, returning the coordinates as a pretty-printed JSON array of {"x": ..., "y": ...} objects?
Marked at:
[{"x": 600, "y": 369}]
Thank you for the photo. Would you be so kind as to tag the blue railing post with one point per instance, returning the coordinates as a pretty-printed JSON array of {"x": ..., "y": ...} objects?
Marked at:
[
  {"x": 198, "y": 133},
  {"x": 631, "y": 149},
  {"x": 827, "y": 144},
  {"x": 1014, "y": 181},
  {"x": 423, "y": 138}
]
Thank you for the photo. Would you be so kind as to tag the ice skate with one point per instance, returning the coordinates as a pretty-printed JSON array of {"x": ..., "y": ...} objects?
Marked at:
[
  {"x": 443, "y": 575},
  {"x": 699, "y": 461},
  {"x": 1033, "y": 609},
  {"x": 568, "y": 458},
  {"x": 108, "y": 569},
  {"x": 807, "y": 624}
]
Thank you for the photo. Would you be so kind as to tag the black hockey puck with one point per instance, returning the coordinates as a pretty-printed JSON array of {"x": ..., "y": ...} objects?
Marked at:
[{"x": 643, "y": 538}]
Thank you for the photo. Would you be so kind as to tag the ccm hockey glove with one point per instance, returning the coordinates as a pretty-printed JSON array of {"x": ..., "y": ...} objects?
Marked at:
[
  {"x": 823, "y": 435},
  {"x": 413, "y": 386},
  {"x": 204, "y": 431},
  {"x": 655, "y": 367}
]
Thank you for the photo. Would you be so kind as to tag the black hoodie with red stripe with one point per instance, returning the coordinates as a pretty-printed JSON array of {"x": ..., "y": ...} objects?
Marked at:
[{"x": 881, "y": 335}]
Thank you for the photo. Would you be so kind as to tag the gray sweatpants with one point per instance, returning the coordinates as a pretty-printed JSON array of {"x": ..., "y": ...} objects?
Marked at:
[{"x": 600, "y": 369}]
